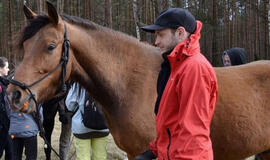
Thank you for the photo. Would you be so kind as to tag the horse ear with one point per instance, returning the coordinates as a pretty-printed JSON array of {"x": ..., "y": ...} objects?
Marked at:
[
  {"x": 52, "y": 12},
  {"x": 29, "y": 13}
]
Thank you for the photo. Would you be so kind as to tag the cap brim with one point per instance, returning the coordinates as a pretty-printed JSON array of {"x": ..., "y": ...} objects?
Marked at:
[{"x": 152, "y": 28}]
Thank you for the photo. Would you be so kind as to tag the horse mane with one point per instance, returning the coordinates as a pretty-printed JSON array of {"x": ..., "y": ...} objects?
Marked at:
[
  {"x": 34, "y": 25},
  {"x": 89, "y": 25},
  {"x": 81, "y": 22}
]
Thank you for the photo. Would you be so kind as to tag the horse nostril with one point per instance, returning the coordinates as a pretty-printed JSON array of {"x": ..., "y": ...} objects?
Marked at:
[{"x": 16, "y": 96}]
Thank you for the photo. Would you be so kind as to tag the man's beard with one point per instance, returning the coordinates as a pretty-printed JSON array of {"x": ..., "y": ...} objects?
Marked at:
[{"x": 173, "y": 43}]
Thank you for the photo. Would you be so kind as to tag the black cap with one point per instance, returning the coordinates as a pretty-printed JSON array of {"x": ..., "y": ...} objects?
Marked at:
[{"x": 173, "y": 18}]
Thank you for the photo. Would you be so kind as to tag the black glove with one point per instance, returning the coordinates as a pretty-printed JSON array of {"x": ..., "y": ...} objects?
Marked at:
[{"x": 147, "y": 155}]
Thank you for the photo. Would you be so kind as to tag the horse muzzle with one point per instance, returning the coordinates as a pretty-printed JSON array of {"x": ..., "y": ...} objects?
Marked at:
[{"x": 21, "y": 103}]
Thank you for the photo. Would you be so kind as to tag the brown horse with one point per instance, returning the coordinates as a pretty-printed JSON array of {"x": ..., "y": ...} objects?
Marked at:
[{"x": 120, "y": 72}]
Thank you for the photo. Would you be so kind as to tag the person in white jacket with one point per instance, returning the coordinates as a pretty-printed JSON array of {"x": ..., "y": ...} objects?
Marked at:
[{"x": 87, "y": 140}]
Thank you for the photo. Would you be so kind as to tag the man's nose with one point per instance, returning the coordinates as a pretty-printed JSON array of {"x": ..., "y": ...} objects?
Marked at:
[{"x": 156, "y": 42}]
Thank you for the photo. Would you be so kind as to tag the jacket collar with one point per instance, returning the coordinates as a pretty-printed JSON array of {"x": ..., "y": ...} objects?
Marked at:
[
  {"x": 3, "y": 81},
  {"x": 165, "y": 54}
]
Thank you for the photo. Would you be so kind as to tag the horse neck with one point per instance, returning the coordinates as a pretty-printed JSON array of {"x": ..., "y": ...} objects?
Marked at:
[{"x": 110, "y": 65}]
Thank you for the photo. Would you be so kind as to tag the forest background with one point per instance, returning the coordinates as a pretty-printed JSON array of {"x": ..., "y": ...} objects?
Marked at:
[{"x": 227, "y": 23}]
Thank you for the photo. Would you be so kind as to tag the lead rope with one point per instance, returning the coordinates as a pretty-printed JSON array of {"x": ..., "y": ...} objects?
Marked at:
[
  {"x": 64, "y": 59},
  {"x": 36, "y": 116}
]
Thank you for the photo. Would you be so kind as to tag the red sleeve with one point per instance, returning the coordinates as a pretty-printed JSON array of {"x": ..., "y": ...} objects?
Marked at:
[{"x": 195, "y": 113}]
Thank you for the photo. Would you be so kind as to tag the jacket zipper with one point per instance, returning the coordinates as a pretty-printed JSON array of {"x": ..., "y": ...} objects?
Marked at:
[{"x": 169, "y": 145}]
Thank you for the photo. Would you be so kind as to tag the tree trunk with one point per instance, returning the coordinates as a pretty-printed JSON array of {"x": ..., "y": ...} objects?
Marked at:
[
  {"x": 136, "y": 20},
  {"x": 39, "y": 6},
  {"x": 78, "y": 8},
  {"x": 60, "y": 5},
  {"x": 170, "y": 3},
  {"x": 215, "y": 53},
  {"x": 5, "y": 28},
  {"x": 10, "y": 28},
  {"x": 159, "y": 5},
  {"x": 267, "y": 28},
  {"x": 108, "y": 13}
]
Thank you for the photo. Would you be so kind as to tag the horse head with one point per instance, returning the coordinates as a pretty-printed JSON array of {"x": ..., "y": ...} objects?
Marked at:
[{"x": 45, "y": 66}]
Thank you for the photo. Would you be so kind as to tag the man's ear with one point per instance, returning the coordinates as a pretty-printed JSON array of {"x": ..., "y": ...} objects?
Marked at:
[{"x": 180, "y": 31}]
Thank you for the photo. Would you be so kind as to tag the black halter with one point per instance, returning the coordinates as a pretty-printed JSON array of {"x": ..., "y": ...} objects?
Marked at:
[{"x": 63, "y": 62}]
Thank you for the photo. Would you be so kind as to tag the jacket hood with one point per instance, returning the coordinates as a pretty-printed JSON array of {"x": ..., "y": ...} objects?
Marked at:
[{"x": 237, "y": 56}]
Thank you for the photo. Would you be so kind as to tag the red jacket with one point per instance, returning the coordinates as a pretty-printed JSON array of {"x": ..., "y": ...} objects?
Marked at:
[{"x": 187, "y": 105}]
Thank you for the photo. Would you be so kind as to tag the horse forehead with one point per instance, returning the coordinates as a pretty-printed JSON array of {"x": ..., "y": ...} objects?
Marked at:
[
  {"x": 51, "y": 32},
  {"x": 44, "y": 36}
]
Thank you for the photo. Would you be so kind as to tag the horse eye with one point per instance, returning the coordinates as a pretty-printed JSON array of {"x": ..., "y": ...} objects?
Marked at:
[{"x": 51, "y": 47}]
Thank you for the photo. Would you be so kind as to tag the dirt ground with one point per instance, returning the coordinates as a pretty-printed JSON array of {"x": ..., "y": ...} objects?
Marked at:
[{"x": 114, "y": 153}]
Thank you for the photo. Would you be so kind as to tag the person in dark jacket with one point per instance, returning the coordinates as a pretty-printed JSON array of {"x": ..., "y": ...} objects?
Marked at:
[
  {"x": 234, "y": 56},
  {"x": 23, "y": 131},
  {"x": 5, "y": 140},
  {"x": 187, "y": 90}
]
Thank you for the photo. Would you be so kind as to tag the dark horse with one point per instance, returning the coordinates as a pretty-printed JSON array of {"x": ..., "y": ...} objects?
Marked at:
[{"x": 120, "y": 72}]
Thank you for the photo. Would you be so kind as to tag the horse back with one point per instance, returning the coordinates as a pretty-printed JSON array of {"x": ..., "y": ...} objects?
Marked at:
[{"x": 241, "y": 121}]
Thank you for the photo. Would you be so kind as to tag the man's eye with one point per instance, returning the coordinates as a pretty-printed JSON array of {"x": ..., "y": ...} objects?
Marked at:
[{"x": 51, "y": 47}]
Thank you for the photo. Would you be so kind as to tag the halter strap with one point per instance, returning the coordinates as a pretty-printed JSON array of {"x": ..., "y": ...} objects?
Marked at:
[{"x": 64, "y": 58}]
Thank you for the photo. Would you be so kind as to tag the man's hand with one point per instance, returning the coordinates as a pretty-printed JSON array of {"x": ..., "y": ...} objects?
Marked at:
[{"x": 147, "y": 155}]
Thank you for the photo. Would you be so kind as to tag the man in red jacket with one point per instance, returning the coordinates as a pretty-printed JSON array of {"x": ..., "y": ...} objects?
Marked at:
[{"x": 187, "y": 90}]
